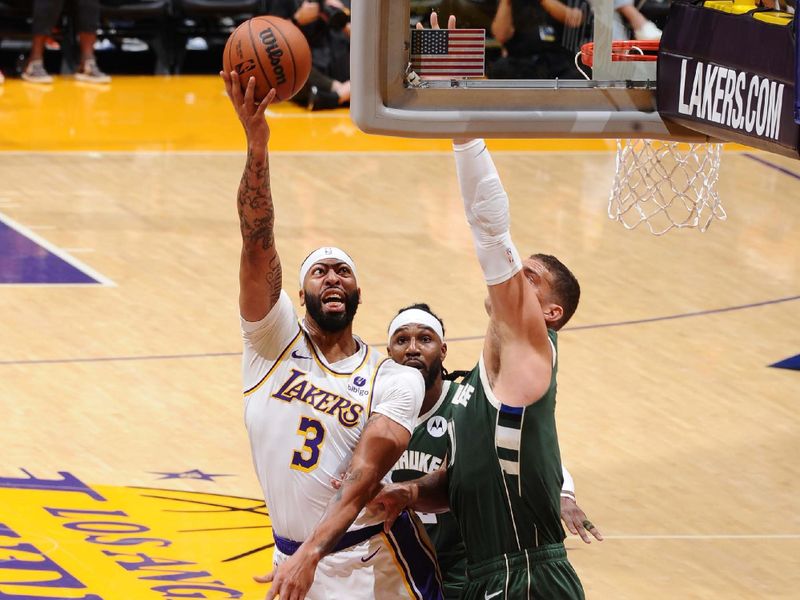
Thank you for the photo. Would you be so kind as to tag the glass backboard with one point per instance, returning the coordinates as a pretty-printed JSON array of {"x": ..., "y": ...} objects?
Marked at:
[{"x": 616, "y": 99}]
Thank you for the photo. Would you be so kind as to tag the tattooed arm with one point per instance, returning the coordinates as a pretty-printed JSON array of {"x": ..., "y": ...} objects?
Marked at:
[
  {"x": 382, "y": 442},
  {"x": 380, "y": 446},
  {"x": 424, "y": 494},
  {"x": 260, "y": 266}
]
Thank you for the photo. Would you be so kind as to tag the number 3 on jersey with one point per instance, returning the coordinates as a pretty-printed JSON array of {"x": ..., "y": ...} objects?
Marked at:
[{"x": 307, "y": 457}]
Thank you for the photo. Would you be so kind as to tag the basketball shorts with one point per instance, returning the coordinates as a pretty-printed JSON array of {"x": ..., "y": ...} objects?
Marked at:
[
  {"x": 542, "y": 573},
  {"x": 454, "y": 579},
  {"x": 400, "y": 564}
]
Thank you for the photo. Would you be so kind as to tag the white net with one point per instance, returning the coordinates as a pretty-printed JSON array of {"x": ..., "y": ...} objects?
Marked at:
[{"x": 667, "y": 185}]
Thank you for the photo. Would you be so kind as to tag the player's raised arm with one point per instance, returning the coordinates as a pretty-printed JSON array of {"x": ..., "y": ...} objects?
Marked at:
[
  {"x": 517, "y": 350},
  {"x": 260, "y": 267}
]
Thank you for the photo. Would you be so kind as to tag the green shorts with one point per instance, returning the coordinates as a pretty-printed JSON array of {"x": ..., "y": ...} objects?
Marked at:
[
  {"x": 454, "y": 578},
  {"x": 542, "y": 573}
]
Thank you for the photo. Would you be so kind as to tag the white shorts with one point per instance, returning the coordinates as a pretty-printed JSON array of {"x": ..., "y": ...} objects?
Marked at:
[{"x": 400, "y": 564}]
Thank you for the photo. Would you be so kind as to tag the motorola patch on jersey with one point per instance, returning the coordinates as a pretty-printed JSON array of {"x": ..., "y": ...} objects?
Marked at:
[{"x": 437, "y": 426}]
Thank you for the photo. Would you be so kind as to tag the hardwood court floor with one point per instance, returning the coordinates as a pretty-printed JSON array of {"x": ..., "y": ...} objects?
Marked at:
[{"x": 682, "y": 440}]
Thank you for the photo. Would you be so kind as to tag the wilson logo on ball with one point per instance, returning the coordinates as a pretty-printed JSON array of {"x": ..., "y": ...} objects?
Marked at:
[{"x": 275, "y": 53}]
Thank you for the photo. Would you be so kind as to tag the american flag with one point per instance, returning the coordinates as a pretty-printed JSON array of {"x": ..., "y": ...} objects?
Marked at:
[{"x": 448, "y": 52}]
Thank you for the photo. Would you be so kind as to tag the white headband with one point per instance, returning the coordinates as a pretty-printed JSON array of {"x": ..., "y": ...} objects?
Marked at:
[
  {"x": 419, "y": 317},
  {"x": 322, "y": 254}
]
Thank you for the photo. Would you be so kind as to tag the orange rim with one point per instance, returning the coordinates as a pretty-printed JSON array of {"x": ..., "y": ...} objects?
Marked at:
[{"x": 621, "y": 51}]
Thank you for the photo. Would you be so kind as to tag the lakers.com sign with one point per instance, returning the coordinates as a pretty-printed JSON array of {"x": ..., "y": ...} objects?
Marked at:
[
  {"x": 61, "y": 538},
  {"x": 730, "y": 76}
]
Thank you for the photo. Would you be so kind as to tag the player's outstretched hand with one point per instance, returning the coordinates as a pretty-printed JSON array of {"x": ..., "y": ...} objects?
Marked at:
[
  {"x": 577, "y": 521},
  {"x": 392, "y": 500},
  {"x": 250, "y": 113},
  {"x": 291, "y": 579}
]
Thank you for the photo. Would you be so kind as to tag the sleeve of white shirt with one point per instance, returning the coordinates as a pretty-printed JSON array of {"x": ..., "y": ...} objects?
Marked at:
[
  {"x": 398, "y": 394},
  {"x": 568, "y": 487},
  {"x": 264, "y": 340}
]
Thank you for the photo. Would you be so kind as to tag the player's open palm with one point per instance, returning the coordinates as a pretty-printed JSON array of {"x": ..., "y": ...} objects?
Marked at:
[{"x": 251, "y": 114}]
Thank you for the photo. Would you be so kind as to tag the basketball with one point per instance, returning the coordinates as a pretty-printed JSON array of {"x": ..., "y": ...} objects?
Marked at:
[{"x": 274, "y": 51}]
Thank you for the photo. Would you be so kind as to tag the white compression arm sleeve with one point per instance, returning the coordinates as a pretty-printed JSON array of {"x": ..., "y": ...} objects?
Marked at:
[
  {"x": 568, "y": 489},
  {"x": 486, "y": 209}
]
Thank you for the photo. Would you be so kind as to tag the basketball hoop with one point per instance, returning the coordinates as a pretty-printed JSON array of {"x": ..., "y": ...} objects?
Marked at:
[
  {"x": 626, "y": 50},
  {"x": 668, "y": 185}
]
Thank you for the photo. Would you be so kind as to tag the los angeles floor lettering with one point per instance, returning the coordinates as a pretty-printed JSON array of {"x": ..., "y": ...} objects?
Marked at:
[
  {"x": 61, "y": 539},
  {"x": 23, "y": 565}
]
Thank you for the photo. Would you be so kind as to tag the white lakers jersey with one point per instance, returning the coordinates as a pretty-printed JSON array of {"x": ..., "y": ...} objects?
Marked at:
[{"x": 304, "y": 416}]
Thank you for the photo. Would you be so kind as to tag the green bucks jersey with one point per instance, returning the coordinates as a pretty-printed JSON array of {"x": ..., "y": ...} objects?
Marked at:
[
  {"x": 504, "y": 471},
  {"x": 426, "y": 453}
]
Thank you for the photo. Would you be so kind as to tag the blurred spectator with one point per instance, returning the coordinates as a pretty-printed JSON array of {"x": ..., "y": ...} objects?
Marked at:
[
  {"x": 45, "y": 17},
  {"x": 783, "y": 5},
  {"x": 326, "y": 25},
  {"x": 625, "y": 12},
  {"x": 530, "y": 32}
]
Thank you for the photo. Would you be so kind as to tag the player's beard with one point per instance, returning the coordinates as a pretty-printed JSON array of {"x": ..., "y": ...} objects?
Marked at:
[
  {"x": 332, "y": 322},
  {"x": 432, "y": 373}
]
